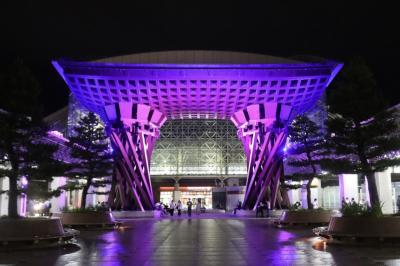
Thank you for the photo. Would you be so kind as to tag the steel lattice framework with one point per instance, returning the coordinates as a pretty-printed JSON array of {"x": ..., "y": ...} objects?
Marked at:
[
  {"x": 261, "y": 128},
  {"x": 198, "y": 146},
  {"x": 202, "y": 85},
  {"x": 133, "y": 130}
]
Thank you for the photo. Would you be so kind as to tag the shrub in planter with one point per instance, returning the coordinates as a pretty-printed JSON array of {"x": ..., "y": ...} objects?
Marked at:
[
  {"x": 359, "y": 222},
  {"x": 354, "y": 209}
]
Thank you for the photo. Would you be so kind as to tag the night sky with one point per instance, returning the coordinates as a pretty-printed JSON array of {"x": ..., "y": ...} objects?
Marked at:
[{"x": 39, "y": 31}]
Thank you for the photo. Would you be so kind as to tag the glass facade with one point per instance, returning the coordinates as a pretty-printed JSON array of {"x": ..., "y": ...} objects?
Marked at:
[{"x": 198, "y": 147}]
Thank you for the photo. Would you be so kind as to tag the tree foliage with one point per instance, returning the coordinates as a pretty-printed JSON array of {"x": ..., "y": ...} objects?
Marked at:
[
  {"x": 23, "y": 151},
  {"x": 93, "y": 159},
  {"x": 307, "y": 142},
  {"x": 362, "y": 131}
]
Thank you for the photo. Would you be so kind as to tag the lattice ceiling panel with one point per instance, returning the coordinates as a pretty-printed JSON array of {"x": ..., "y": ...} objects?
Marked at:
[{"x": 197, "y": 91}]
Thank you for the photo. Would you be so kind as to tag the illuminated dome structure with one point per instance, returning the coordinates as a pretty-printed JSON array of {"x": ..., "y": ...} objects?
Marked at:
[{"x": 135, "y": 94}]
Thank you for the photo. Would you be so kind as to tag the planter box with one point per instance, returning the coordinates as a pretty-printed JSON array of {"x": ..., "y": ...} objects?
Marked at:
[
  {"x": 30, "y": 229},
  {"x": 368, "y": 227},
  {"x": 305, "y": 217},
  {"x": 133, "y": 214},
  {"x": 87, "y": 218}
]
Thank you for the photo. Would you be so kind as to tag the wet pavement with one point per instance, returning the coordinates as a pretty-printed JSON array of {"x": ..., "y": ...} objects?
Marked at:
[{"x": 227, "y": 242}]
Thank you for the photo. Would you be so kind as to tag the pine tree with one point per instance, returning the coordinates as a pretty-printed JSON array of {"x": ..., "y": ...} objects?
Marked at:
[
  {"x": 306, "y": 149},
  {"x": 363, "y": 133},
  {"x": 23, "y": 152},
  {"x": 43, "y": 166},
  {"x": 90, "y": 149}
]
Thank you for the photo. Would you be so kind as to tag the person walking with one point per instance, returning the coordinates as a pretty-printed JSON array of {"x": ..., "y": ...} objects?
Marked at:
[
  {"x": 179, "y": 207},
  {"x": 189, "y": 206},
  {"x": 198, "y": 206},
  {"x": 172, "y": 207}
]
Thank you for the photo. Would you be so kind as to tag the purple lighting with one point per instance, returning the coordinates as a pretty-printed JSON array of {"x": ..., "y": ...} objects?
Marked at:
[
  {"x": 133, "y": 130},
  {"x": 262, "y": 130},
  {"x": 135, "y": 94},
  {"x": 197, "y": 90}
]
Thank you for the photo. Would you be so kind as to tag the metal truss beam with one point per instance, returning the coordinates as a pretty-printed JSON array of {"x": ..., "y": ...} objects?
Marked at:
[
  {"x": 262, "y": 130},
  {"x": 133, "y": 130}
]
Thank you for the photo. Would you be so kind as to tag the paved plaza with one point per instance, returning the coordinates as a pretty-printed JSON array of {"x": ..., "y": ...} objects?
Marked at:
[{"x": 227, "y": 242}]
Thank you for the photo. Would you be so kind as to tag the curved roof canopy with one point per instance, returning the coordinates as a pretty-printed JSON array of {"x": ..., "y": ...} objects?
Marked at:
[
  {"x": 197, "y": 57},
  {"x": 197, "y": 84}
]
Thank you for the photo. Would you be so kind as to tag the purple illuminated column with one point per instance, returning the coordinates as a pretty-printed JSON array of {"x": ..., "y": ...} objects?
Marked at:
[
  {"x": 133, "y": 130},
  {"x": 262, "y": 130}
]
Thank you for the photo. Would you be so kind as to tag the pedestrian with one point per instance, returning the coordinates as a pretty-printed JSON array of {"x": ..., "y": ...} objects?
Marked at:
[
  {"x": 315, "y": 203},
  {"x": 46, "y": 208},
  {"x": 198, "y": 206},
  {"x": 238, "y": 207},
  {"x": 189, "y": 206},
  {"x": 179, "y": 207},
  {"x": 164, "y": 209},
  {"x": 172, "y": 207},
  {"x": 267, "y": 208},
  {"x": 347, "y": 201},
  {"x": 259, "y": 209},
  {"x": 353, "y": 202}
]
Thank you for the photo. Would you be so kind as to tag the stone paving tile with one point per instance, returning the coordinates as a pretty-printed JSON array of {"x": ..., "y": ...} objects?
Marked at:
[{"x": 226, "y": 242}]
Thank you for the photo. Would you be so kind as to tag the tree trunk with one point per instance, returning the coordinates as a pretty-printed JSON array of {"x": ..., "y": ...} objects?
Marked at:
[
  {"x": 113, "y": 192},
  {"x": 372, "y": 189},
  {"x": 314, "y": 170},
  {"x": 285, "y": 198},
  {"x": 13, "y": 197},
  {"x": 284, "y": 190},
  {"x": 85, "y": 192},
  {"x": 309, "y": 202},
  {"x": 366, "y": 168}
]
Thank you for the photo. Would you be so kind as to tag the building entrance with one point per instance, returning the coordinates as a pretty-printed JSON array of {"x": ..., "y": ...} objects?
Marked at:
[{"x": 186, "y": 193}]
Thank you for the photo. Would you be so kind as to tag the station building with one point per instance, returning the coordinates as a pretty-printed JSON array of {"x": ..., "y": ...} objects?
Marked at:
[{"x": 211, "y": 121}]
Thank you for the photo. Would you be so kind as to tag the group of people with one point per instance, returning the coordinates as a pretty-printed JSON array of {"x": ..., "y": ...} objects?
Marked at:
[
  {"x": 260, "y": 208},
  {"x": 297, "y": 204},
  {"x": 178, "y": 206},
  {"x": 347, "y": 201},
  {"x": 175, "y": 206},
  {"x": 352, "y": 201}
]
